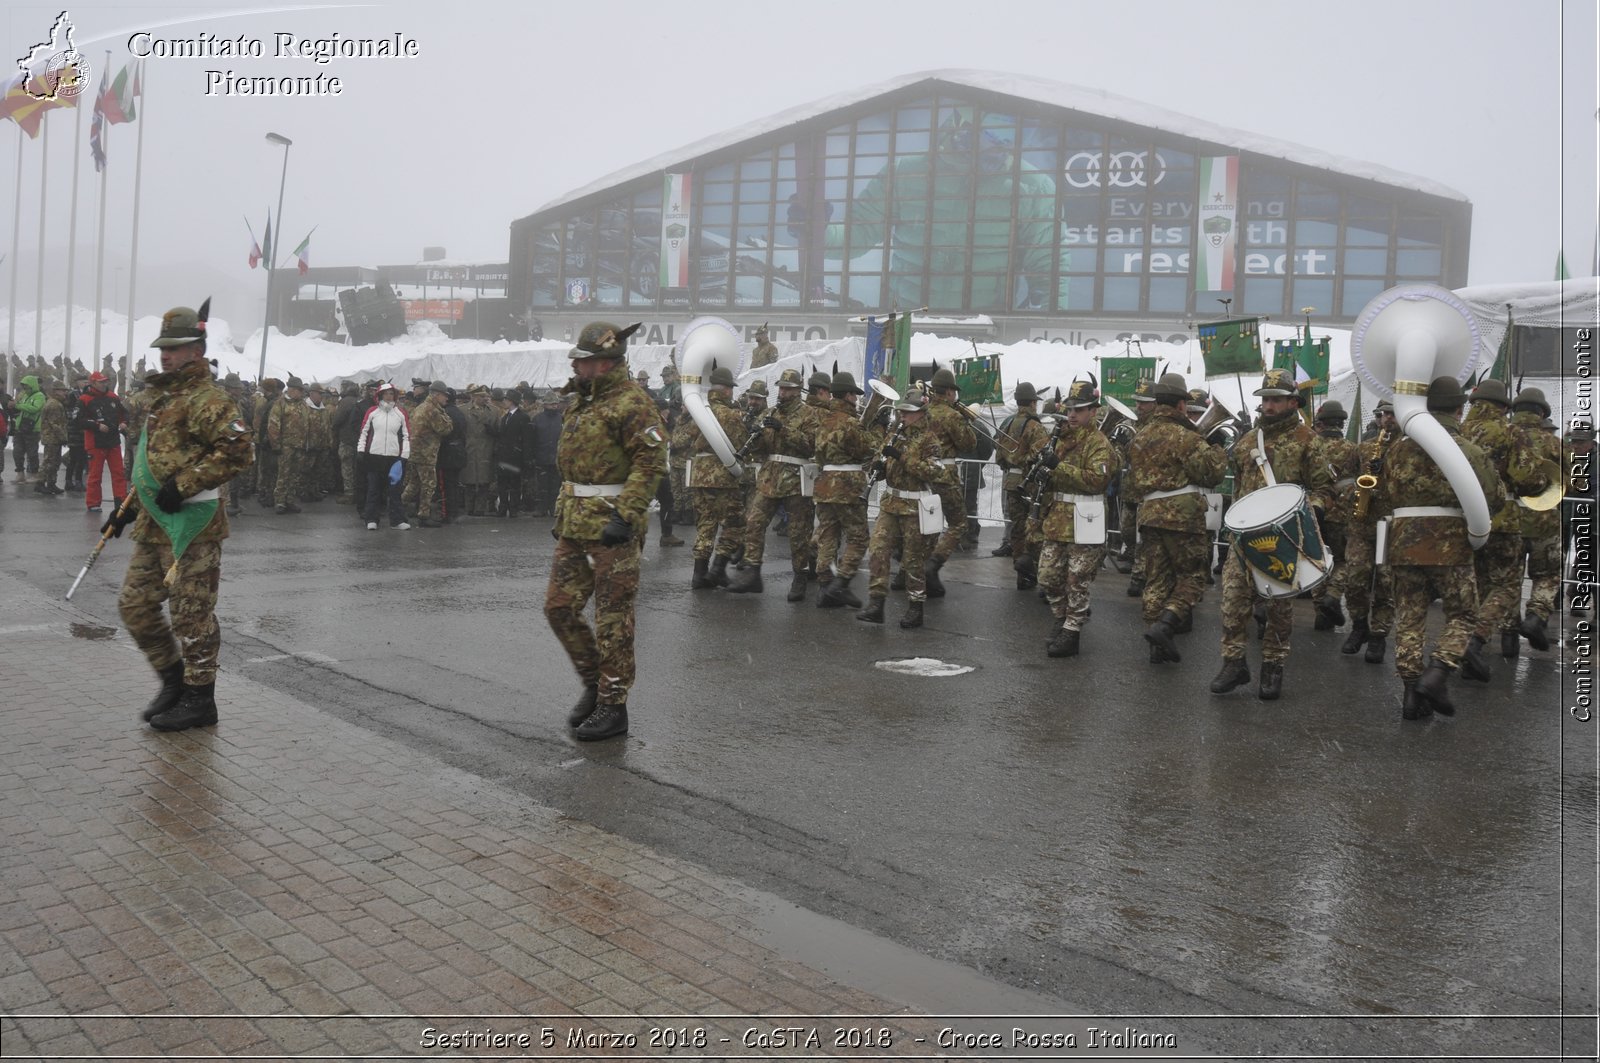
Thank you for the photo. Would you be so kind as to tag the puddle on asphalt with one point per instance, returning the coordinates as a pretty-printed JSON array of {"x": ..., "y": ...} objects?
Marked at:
[
  {"x": 93, "y": 631},
  {"x": 924, "y": 666}
]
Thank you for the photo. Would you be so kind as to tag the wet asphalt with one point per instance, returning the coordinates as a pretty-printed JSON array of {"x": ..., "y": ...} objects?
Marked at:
[{"x": 1099, "y": 831}]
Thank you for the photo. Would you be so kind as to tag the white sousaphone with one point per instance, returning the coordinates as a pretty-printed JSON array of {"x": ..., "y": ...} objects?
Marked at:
[
  {"x": 707, "y": 342},
  {"x": 1404, "y": 338}
]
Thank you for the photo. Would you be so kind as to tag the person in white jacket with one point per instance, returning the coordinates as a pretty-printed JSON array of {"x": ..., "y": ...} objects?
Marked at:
[{"x": 384, "y": 443}]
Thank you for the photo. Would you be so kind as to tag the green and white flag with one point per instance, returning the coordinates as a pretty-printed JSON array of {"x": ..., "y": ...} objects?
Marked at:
[
  {"x": 181, "y": 527},
  {"x": 1219, "y": 229}
]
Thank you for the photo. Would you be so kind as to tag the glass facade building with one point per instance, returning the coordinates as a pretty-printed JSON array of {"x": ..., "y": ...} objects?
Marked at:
[{"x": 945, "y": 193}]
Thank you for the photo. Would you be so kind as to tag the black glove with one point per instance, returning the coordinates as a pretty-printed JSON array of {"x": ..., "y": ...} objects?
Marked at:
[
  {"x": 616, "y": 532},
  {"x": 891, "y": 451},
  {"x": 169, "y": 498},
  {"x": 1244, "y": 422},
  {"x": 773, "y": 424},
  {"x": 884, "y": 414},
  {"x": 1049, "y": 458},
  {"x": 119, "y": 519},
  {"x": 878, "y": 470}
]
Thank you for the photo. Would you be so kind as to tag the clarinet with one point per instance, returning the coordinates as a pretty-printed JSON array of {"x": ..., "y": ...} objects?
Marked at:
[{"x": 880, "y": 467}]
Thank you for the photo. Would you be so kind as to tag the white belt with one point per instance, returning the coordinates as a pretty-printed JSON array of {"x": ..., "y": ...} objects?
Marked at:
[
  {"x": 1346, "y": 482},
  {"x": 202, "y": 496},
  {"x": 789, "y": 459},
  {"x": 949, "y": 463},
  {"x": 842, "y": 468},
  {"x": 592, "y": 490},
  {"x": 1077, "y": 500},
  {"x": 1188, "y": 489},
  {"x": 897, "y": 493},
  {"x": 1429, "y": 511}
]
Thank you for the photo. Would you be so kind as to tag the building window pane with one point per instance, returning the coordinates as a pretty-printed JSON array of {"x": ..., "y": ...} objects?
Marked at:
[
  {"x": 1421, "y": 230},
  {"x": 1318, "y": 294},
  {"x": 1315, "y": 201},
  {"x": 1121, "y": 293},
  {"x": 753, "y": 169},
  {"x": 1316, "y": 234},
  {"x": 918, "y": 116},
  {"x": 723, "y": 172},
  {"x": 1366, "y": 262},
  {"x": 1263, "y": 295},
  {"x": 1169, "y": 294},
  {"x": 907, "y": 142},
  {"x": 872, "y": 143},
  {"x": 716, "y": 192},
  {"x": 1418, "y": 263},
  {"x": 1366, "y": 235},
  {"x": 837, "y": 145},
  {"x": 755, "y": 214},
  {"x": 1357, "y": 294},
  {"x": 1075, "y": 293}
]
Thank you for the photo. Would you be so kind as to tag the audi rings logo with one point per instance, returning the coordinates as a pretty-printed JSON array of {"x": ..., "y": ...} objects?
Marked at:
[{"x": 1120, "y": 169}]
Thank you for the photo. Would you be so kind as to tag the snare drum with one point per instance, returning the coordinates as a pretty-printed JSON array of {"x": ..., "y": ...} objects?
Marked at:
[{"x": 1275, "y": 533}]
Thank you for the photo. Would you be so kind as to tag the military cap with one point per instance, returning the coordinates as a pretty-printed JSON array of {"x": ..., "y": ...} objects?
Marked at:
[
  {"x": 498, "y": 394},
  {"x": 944, "y": 378},
  {"x": 759, "y": 387},
  {"x": 294, "y": 382},
  {"x": 182, "y": 326},
  {"x": 1080, "y": 394},
  {"x": 1384, "y": 406},
  {"x": 817, "y": 380},
  {"x": 668, "y": 370},
  {"x": 722, "y": 377},
  {"x": 1444, "y": 393},
  {"x": 1171, "y": 387},
  {"x": 316, "y": 388},
  {"x": 761, "y": 329},
  {"x": 1277, "y": 382},
  {"x": 1142, "y": 392},
  {"x": 349, "y": 387},
  {"x": 1491, "y": 390},
  {"x": 440, "y": 386},
  {"x": 418, "y": 382},
  {"x": 911, "y": 402},
  {"x": 1024, "y": 392},
  {"x": 232, "y": 381},
  {"x": 789, "y": 378},
  {"x": 271, "y": 383},
  {"x": 1582, "y": 432},
  {"x": 554, "y": 398},
  {"x": 1547, "y": 424},
  {"x": 601, "y": 339},
  {"x": 54, "y": 385},
  {"x": 1332, "y": 410},
  {"x": 478, "y": 389},
  {"x": 843, "y": 383},
  {"x": 1199, "y": 401},
  {"x": 1532, "y": 399}
]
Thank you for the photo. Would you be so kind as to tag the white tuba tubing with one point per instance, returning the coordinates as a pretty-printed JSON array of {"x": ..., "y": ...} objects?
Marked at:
[
  {"x": 1414, "y": 358},
  {"x": 707, "y": 339}
]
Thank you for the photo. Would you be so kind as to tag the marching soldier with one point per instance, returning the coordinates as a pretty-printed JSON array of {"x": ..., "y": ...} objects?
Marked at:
[
  {"x": 1428, "y": 554},
  {"x": 1170, "y": 468},
  {"x": 1343, "y": 460},
  {"x": 1541, "y": 532},
  {"x": 955, "y": 437},
  {"x": 843, "y": 444},
  {"x": 1366, "y": 586},
  {"x": 718, "y": 498},
  {"x": 788, "y": 441},
  {"x": 289, "y": 430},
  {"x": 911, "y": 468},
  {"x": 1144, "y": 404},
  {"x": 613, "y": 451},
  {"x": 1081, "y": 464},
  {"x": 193, "y": 443},
  {"x": 429, "y": 427},
  {"x": 1021, "y": 436},
  {"x": 1283, "y": 443}
]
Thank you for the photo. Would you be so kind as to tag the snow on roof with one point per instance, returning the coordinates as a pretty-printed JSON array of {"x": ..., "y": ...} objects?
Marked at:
[{"x": 1040, "y": 90}]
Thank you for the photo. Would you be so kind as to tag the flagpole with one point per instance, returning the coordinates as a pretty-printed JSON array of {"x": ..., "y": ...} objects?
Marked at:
[
  {"x": 100, "y": 251},
  {"x": 44, "y": 186},
  {"x": 72, "y": 233},
  {"x": 16, "y": 234},
  {"x": 133, "y": 254}
]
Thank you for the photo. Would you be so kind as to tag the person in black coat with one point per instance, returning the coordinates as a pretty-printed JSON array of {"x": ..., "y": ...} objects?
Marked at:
[
  {"x": 544, "y": 433},
  {"x": 509, "y": 442},
  {"x": 452, "y": 459}
]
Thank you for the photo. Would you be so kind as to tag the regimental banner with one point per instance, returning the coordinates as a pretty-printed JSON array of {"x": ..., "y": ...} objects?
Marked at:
[
  {"x": 1232, "y": 346},
  {"x": 1307, "y": 359},
  {"x": 1119, "y": 376},
  {"x": 677, "y": 203},
  {"x": 434, "y": 309},
  {"x": 979, "y": 379},
  {"x": 1218, "y": 216}
]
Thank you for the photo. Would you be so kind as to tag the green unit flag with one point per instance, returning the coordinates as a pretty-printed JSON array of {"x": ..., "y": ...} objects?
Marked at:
[
  {"x": 1307, "y": 360},
  {"x": 181, "y": 527},
  {"x": 979, "y": 379},
  {"x": 1119, "y": 376},
  {"x": 1231, "y": 346}
]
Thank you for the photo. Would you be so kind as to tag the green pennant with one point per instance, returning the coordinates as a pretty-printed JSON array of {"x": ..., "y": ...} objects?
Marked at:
[{"x": 181, "y": 527}]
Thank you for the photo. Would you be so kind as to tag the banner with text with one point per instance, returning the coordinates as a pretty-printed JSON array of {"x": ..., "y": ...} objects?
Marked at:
[
  {"x": 676, "y": 203},
  {"x": 1219, "y": 231},
  {"x": 434, "y": 309}
]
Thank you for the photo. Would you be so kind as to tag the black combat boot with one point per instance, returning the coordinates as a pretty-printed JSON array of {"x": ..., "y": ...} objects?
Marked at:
[
  {"x": 719, "y": 571},
  {"x": 873, "y": 613},
  {"x": 584, "y": 707},
  {"x": 1027, "y": 570},
  {"x": 1533, "y": 629},
  {"x": 1356, "y": 639},
  {"x": 797, "y": 586},
  {"x": 1474, "y": 665},
  {"x": 1330, "y": 614},
  {"x": 913, "y": 617},
  {"x": 1159, "y": 634},
  {"x": 1377, "y": 646},
  {"x": 668, "y": 539},
  {"x": 930, "y": 575},
  {"x": 1411, "y": 706},
  {"x": 196, "y": 707},
  {"x": 1234, "y": 673},
  {"x": 1433, "y": 689},
  {"x": 841, "y": 584},
  {"x": 1271, "y": 687},
  {"x": 748, "y": 581},
  {"x": 837, "y": 595},
  {"x": 1003, "y": 550},
  {"x": 702, "y": 575},
  {"x": 171, "y": 690},
  {"x": 606, "y": 721},
  {"x": 1136, "y": 587},
  {"x": 1065, "y": 644},
  {"x": 811, "y": 570},
  {"x": 1510, "y": 644},
  {"x": 897, "y": 582}
]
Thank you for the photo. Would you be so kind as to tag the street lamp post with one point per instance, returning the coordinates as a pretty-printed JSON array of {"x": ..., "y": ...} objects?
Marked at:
[{"x": 272, "y": 252}]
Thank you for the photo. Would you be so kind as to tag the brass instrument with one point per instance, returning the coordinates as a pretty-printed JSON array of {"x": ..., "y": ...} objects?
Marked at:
[
  {"x": 1037, "y": 475},
  {"x": 879, "y": 394},
  {"x": 1218, "y": 421},
  {"x": 1367, "y": 482},
  {"x": 1551, "y": 496},
  {"x": 878, "y": 468}
]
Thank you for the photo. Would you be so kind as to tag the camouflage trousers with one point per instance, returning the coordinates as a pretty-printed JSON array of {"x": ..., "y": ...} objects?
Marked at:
[
  {"x": 291, "y": 477},
  {"x": 844, "y": 522},
  {"x": 1175, "y": 564},
  {"x": 348, "y": 482},
  {"x": 762, "y": 509},
  {"x": 902, "y": 532},
  {"x": 954, "y": 503},
  {"x": 192, "y": 636},
  {"x": 1497, "y": 571},
  {"x": 422, "y": 488},
  {"x": 266, "y": 474},
  {"x": 1066, "y": 572},
  {"x": 717, "y": 508},
  {"x": 1414, "y": 588},
  {"x": 1544, "y": 569},
  {"x": 683, "y": 497},
  {"x": 51, "y": 463},
  {"x": 1128, "y": 521},
  {"x": 1016, "y": 511},
  {"x": 1238, "y": 603},
  {"x": 1337, "y": 542},
  {"x": 602, "y": 656},
  {"x": 1366, "y": 586}
]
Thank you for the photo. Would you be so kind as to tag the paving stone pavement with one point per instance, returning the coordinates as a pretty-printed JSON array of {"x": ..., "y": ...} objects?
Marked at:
[{"x": 258, "y": 887}]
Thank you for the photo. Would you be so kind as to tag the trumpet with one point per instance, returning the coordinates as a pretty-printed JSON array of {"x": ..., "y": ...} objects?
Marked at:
[{"x": 880, "y": 394}]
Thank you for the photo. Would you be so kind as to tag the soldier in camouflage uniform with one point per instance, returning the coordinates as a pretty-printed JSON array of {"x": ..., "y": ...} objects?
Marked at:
[
  {"x": 1127, "y": 498},
  {"x": 1428, "y": 554},
  {"x": 1541, "y": 532},
  {"x": 266, "y": 456},
  {"x": 1171, "y": 467},
  {"x": 1081, "y": 465},
  {"x": 319, "y": 466},
  {"x": 765, "y": 351},
  {"x": 911, "y": 468},
  {"x": 1366, "y": 585},
  {"x": 195, "y": 443},
  {"x": 718, "y": 499},
  {"x": 613, "y": 451},
  {"x": 788, "y": 441},
  {"x": 843, "y": 446},
  {"x": 1021, "y": 436},
  {"x": 240, "y": 485},
  {"x": 53, "y": 436},
  {"x": 289, "y": 431},
  {"x": 1291, "y": 455},
  {"x": 429, "y": 426},
  {"x": 1343, "y": 460},
  {"x": 955, "y": 437}
]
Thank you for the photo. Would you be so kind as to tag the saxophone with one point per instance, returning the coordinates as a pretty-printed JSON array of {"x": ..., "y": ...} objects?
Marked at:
[{"x": 1367, "y": 482}]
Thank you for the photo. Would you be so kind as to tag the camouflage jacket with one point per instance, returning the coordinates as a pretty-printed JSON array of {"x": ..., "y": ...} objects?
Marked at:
[
  {"x": 319, "y": 428},
  {"x": 684, "y": 434},
  {"x": 763, "y": 354},
  {"x": 1410, "y": 478},
  {"x": 956, "y": 437},
  {"x": 481, "y": 421},
  {"x": 1546, "y": 445},
  {"x": 796, "y": 439},
  {"x": 842, "y": 441},
  {"x": 1021, "y": 436},
  {"x": 1292, "y": 454},
  {"x": 1086, "y": 467},
  {"x": 1166, "y": 454},
  {"x": 429, "y": 425},
  {"x": 289, "y": 425},
  {"x": 917, "y": 469},
  {"x": 53, "y": 422},
  {"x": 1343, "y": 460},
  {"x": 193, "y": 432},
  {"x": 612, "y": 436},
  {"x": 262, "y": 411},
  {"x": 1371, "y": 454},
  {"x": 1515, "y": 459},
  {"x": 708, "y": 470}
]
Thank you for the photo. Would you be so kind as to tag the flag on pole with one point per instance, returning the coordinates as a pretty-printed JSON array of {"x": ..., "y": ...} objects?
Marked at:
[
  {"x": 303, "y": 253},
  {"x": 266, "y": 241},
  {"x": 117, "y": 98},
  {"x": 1561, "y": 266},
  {"x": 97, "y": 126},
  {"x": 255, "y": 248},
  {"x": 23, "y": 105},
  {"x": 889, "y": 351}
]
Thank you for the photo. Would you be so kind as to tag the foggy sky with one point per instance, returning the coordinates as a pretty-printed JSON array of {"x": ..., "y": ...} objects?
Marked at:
[{"x": 508, "y": 106}]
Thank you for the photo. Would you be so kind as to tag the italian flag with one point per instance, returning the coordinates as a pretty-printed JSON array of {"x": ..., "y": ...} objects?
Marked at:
[
  {"x": 116, "y": 100},
  {"x": 303, "y": 253},
  {"x": 1219, "y": 231}
]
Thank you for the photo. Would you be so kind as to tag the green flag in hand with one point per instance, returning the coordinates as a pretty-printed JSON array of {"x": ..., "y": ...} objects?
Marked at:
[{"x": 181, "y": 527}]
